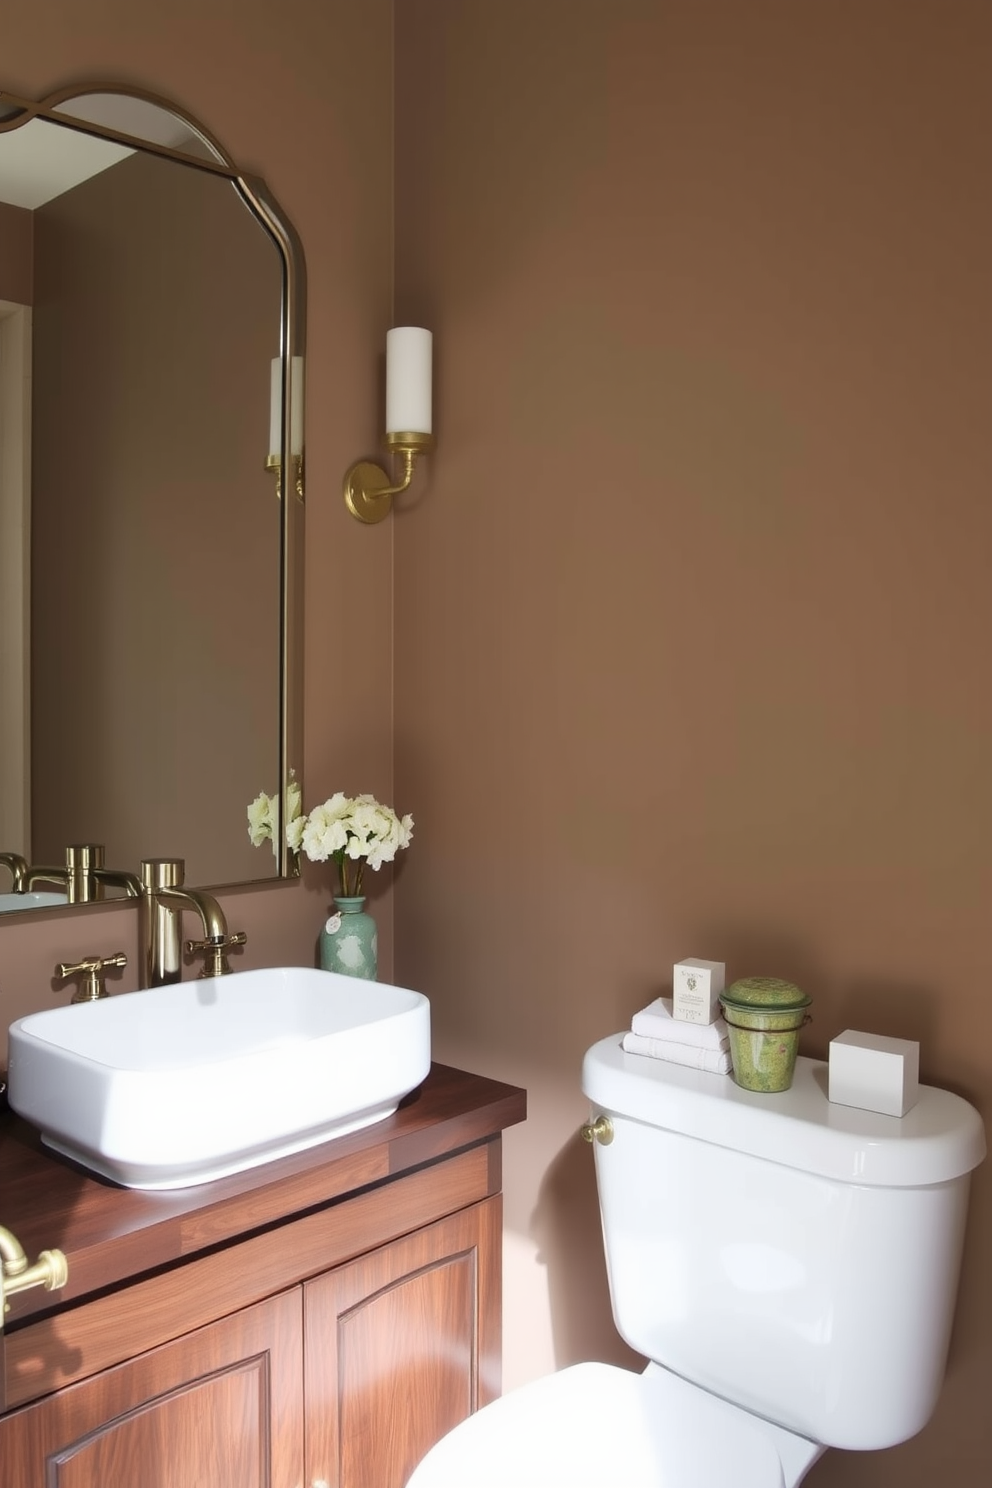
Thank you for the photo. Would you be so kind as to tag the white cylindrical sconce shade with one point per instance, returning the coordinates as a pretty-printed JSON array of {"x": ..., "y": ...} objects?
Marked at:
[
  {"x": 275, "y": 409},
  {"x": 408, "y": 380},
  {"x": 296, "y": 430}
]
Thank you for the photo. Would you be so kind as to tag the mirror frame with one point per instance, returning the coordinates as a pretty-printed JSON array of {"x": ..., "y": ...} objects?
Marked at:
[{"x": 16, "y": 112}]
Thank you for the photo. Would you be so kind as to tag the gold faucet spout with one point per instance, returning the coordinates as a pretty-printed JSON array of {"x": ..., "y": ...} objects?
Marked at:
[
  {"x": 119, "y": 878},
  {"x": 211, "y": 915},
  {"x": 37, "y": 874},
  {"x": 18, "y": 870}
]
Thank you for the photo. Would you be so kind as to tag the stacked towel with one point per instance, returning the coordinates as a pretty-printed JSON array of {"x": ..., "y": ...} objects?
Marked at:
[
  {"x": 714, "y": 1061},
  {"x": 656, "y": 1021},
  {"x": 655, "y": 1033}
]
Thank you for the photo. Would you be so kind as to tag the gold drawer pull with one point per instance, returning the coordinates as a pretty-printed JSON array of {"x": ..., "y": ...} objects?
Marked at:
[{"x": 50, "y": 1270}]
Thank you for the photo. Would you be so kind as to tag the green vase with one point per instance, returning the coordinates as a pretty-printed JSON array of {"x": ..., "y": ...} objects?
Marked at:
[{"x": 348, "y": 942}]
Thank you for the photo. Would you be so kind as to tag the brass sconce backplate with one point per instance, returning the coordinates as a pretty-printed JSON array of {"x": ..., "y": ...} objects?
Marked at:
[
  {"x": 365, "y": 491},
  {"x": 368, "y": 491}
]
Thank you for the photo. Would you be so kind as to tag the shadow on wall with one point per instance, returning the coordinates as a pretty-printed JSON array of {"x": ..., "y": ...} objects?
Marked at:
[
  {"x": 566, "y": 1226},
  {"x": 898, "y": 1009}
]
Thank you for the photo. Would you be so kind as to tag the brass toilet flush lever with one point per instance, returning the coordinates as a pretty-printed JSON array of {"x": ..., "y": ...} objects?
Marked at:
[
  {"x": 50, "y": 1270},
  {"x": 600, "y": 1130}
]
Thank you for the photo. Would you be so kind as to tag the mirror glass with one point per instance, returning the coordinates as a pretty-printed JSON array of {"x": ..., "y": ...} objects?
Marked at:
[{"x": 149, "y": 581}]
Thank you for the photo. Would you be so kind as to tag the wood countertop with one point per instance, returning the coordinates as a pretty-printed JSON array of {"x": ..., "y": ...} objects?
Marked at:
[{"x": 111, "y": 1235}]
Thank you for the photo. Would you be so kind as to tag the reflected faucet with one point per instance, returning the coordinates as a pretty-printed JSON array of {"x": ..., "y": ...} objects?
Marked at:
[
  {"x": 119, "y": 878},
  {"x": 18, "y": 870},
  {"x": 84, "y": 876},
  {"x": 164, "y": 897}
]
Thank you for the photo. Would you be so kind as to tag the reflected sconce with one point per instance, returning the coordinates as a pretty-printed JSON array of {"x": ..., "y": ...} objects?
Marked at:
[
  {"x": 274, "y": 461},
  {"x": 368, "y": 491}
]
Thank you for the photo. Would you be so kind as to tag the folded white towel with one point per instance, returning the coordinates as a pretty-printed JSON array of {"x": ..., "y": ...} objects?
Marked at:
[
  {"x": 656, "y": 1021},
  {"x": 714, "y": 1061}
]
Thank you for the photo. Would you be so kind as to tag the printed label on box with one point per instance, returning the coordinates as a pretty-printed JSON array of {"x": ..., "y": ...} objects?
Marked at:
[{"x": 696, "y": 988}]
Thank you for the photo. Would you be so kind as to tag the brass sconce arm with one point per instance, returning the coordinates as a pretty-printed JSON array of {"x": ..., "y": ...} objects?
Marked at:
[{"x": 368, "y": 492}]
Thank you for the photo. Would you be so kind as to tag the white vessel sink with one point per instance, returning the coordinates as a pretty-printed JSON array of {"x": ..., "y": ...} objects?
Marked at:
[
  {"x": 183, "y": 1084},
  {"x": 11, "y": 903}
]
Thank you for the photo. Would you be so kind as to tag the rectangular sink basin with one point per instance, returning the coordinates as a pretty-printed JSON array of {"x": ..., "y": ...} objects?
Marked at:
[
  {"x": 34, "y": 899},
  {"x": 183, "y": 1084}
]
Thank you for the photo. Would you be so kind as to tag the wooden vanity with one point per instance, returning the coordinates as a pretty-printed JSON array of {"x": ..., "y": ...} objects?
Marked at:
[{"x": 320, "y": 1320}]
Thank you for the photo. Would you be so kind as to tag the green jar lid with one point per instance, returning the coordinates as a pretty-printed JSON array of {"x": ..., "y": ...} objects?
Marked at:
[{"x": 764, "y": 992}]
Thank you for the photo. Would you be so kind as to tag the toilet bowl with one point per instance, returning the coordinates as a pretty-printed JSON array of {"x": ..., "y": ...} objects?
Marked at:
[
  {"x": 760, "y": 1250},
  {"x": 597, "y": 1426}
]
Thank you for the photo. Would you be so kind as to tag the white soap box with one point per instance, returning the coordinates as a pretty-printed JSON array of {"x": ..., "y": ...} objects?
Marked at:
[
  {"x": 696, "y": 988},
  {"x": 874, "y": 1072}
]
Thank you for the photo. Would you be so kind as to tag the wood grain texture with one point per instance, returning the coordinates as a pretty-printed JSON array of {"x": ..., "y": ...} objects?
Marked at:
[
  {"x": 76, "y": 1342},
  {"x": 401, "y": 1345},
  {"x": 222, "y": 1407},
  {"x": 111, "y": 1235}
]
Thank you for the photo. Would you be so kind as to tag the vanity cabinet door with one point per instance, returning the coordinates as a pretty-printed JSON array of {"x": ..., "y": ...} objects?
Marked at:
[
  {"x": 399, "y": 1346},
  {"x": 217, "y": 1408}
]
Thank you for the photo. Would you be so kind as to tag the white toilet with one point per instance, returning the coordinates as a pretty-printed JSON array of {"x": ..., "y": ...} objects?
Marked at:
[{"x": 790, "y": 1265}]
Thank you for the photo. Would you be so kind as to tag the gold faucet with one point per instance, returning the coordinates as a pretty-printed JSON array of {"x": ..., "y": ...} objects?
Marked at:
[
  {"x": 18, "y": 870},
  {"x": 119, "y": 878},
  {"x": 50, "y": 1270},
  {"x": 84, "y": 875},
  {"x": 163, "y": 899}
]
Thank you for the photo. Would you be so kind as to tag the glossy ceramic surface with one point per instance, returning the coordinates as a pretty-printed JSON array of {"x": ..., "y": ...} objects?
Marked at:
[
  {"x": 796, "y": 1257},
  {"x": 183, "y": 1084},
  {"x": 596, "y": 1426}
]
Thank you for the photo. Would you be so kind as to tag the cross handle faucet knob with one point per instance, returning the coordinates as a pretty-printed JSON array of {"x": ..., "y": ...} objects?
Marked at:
[
  {"x": 91, "y": 970},
  {"x": 215, "y": 951}
]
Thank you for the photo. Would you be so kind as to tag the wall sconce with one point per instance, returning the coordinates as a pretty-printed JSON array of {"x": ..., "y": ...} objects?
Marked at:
[
  {"x": 368, "y": 492},
  {"x": 274, "y": 461}
]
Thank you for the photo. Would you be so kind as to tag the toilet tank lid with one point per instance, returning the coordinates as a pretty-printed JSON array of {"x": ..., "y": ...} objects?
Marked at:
[{"x": 941, "y": 1137}]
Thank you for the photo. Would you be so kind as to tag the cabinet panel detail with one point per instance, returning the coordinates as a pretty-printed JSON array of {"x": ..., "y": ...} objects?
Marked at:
[
  {"x": 222, "y": 1406},
  {"x": 400, "y": 1346},
  {"x": 55, "y": 1351},
  {"x": 407, "y": 1355}
]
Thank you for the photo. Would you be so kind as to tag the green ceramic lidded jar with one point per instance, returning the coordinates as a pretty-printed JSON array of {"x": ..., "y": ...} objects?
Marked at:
[{"x": 764, "y": 1016}]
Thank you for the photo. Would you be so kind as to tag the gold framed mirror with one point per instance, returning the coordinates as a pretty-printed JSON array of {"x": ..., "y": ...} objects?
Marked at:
[{"x": 152, "y": 298}]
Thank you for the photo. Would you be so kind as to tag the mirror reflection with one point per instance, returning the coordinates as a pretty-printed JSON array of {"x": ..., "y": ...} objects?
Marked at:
[{"x": 142, "y": 694}]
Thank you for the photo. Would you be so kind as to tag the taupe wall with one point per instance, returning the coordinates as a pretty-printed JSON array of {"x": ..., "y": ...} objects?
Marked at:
[
  {"x": 284, "y": 89},
  {"x": 692, "y": 611},
  {"x": 690, "y": 607},
  {"x": 15, "y": 254}
]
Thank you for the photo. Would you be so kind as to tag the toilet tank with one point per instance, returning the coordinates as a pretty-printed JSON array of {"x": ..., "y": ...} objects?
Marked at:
[{"x": 795, "y": 1257}]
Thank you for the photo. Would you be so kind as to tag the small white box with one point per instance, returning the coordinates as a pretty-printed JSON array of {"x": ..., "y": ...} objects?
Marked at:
[
  {"x": 696, "y": 988},
  {"x": 874, "y": 1072}
]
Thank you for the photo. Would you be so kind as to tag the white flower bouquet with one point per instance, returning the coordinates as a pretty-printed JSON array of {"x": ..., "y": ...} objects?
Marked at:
[
  {"x": 264, "y": 811},
  {"x": 356, "y": 831}
]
